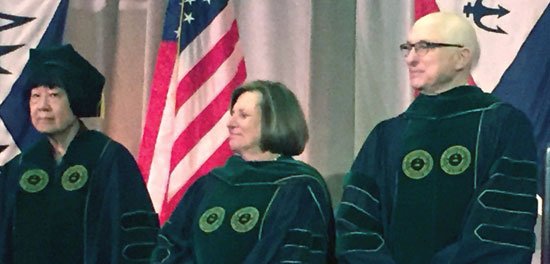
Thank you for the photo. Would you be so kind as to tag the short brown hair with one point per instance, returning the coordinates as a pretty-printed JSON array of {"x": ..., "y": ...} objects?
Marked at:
[{"x": 283, "y": 126}]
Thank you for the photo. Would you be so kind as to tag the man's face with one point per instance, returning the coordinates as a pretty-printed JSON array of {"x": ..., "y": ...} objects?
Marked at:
[
  {"x": 50, "y": 110},
  {"x": 433, "y": 71}
]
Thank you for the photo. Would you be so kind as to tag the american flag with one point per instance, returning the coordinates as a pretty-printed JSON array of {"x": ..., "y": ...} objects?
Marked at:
[{"x": 199, "y": 63}]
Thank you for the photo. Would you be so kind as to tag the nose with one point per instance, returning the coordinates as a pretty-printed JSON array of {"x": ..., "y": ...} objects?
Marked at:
[
  {"x": 230, "y": 122},
  {"x": 43, "y": 103},
  {"x": 411, "y": 58}
]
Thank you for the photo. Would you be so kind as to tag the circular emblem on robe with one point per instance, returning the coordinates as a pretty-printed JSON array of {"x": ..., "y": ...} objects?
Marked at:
[
  {"x": 245, "y": 219},
  {"x": 455, "y": 160},
  {"x": 417, "y": 164},
  {"x": 211, "y": 219},
  {"x": 34, "y": 180},
  {"x": 74, "y": 178}
]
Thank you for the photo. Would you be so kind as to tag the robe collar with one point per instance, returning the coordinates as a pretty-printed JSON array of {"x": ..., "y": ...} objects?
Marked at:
[
  {"x": 459, "y": 100},
  {"x": 40, "y": 155},
  {"x": 238, "y": 171}
]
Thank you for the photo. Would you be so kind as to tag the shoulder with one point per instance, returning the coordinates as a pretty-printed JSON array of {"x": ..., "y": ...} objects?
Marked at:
[
  {"x": 506, "y": 108},
  {"x": 385, "y": 129},
  {"x": 93, "y": 135},
  {"x": 203, "y": 184},
  {"x": 9, "y": 172},
  {"x": 305, "y": 180},
  {"x": 388, "y": 123},
  {"x": 300, "y": 172},
  {"x": 508, "y": 116},
  {"x": 15, "y": 161},
  {"x": 108, "y": 144}
]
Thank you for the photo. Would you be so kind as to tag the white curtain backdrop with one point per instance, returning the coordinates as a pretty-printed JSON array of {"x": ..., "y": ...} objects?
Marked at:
[
  {"x": 339, "y": 57},
  {"x": 381, "y": 83}
]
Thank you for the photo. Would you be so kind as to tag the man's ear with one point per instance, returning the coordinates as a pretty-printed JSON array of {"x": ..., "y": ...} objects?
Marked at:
[{"x": 463, "y": 58}]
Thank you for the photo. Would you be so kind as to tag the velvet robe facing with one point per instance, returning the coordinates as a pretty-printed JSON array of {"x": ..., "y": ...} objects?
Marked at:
[
  {"x": 252, "y": 212},
  {"x": 91, "y": 207},
  {"x": 451, "y": 180}
]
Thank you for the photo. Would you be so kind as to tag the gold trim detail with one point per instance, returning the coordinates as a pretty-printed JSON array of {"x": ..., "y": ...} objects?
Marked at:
[
  {"x": 34, "y": 180},
  {"x": 211, "y": 219},
  {"x": 417, "y": 164},
  {"x": 244, "y": 219},
  {"x": 74, "y": 178},
  {"x": 455, "y": 160}
]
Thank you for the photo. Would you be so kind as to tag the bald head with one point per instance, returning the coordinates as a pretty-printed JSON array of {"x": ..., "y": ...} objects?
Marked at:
[
  {"x": 445, "y": 51},
  {"x": 451, "y": 28}
]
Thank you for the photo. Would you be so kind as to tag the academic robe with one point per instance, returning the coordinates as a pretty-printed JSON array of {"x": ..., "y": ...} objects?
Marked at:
[
  {"x": 252, "y": 212},
  {"x": 91, "y": 207},
  {"x": 451, "y": 180}
]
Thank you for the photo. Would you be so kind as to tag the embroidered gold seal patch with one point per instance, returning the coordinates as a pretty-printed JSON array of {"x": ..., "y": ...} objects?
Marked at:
[
  {"x": 417, "y": 164},
  {"x": 74, "y": 178},
  {"x": 244, "y": 219},
  {"x": 455, "y": 160},
  {"x": 34, "y": 180},
  {"x": 211, "y": 219}
]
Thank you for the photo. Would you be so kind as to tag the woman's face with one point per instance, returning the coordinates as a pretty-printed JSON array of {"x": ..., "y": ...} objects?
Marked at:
[
  {"x": 245, "y": 124},
  {"x": 50, "y": 110}
]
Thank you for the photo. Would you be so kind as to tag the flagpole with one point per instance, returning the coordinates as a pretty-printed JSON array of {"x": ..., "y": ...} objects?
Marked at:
[
  {"x": 180, "y": 30},
  {"x": 173, "y": 83}
]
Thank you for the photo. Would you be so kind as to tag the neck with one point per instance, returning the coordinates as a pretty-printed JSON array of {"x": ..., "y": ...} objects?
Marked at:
[
  {"x": 61, "y": 140},
  {"x": 260, "y": 156},
  {"x": 444, "y": 88}
]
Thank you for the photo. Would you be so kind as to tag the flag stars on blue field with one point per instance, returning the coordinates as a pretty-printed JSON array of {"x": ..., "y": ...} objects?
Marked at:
[
  {"x": 193, "y": 17},
  {"x": 188, "y": 17}
]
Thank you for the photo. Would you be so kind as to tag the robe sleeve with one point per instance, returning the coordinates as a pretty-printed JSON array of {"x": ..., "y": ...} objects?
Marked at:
[
  {"x": 3, "y": 217},
  {"x": 359, "y": 224},
  {"x": 499, "y": 222},
  {"x": 7, "y": 202},
  {"x": 174, "y": 241},
  {"x": 298, "y": 225},
  {"x": 127, "y": 224}
]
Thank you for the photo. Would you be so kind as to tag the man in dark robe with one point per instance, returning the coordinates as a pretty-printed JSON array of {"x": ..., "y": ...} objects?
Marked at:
[
  {"x": 76, "y": 196},
  {"x": 450, "y": 180}
]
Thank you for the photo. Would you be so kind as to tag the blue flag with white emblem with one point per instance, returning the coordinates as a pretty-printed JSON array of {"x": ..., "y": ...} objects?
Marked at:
[{"x": 23, "y": 25}]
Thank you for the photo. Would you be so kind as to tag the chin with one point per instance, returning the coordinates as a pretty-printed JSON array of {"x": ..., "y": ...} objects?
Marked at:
[
  {"x": 415, "y": 85},
  {"x": 233, "y": 148},
  {"x": 417, "y": 89},
  {"x": 43, "y": 129},
  {"x": 47, "y": 131}
]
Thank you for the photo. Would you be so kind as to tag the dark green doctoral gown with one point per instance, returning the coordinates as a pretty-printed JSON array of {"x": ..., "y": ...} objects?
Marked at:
[
  {"x": 451, "y": 180},
  {"x": 91, "y": 207},
  {"x": 252, "y": 212}
]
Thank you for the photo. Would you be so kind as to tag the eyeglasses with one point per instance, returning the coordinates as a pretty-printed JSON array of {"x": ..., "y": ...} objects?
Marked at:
[{"x": 422, "y": 47}]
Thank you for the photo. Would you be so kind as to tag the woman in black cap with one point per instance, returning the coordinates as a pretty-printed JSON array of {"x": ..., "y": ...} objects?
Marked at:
[{"x": 76, "y": 196}]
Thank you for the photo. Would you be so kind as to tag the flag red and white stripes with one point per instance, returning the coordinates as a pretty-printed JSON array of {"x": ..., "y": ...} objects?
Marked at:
[{"x": 199, "y": 64}]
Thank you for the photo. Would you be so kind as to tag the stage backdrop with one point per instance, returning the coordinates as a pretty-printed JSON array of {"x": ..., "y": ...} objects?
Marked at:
[{"x": 341, "y": 58}]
